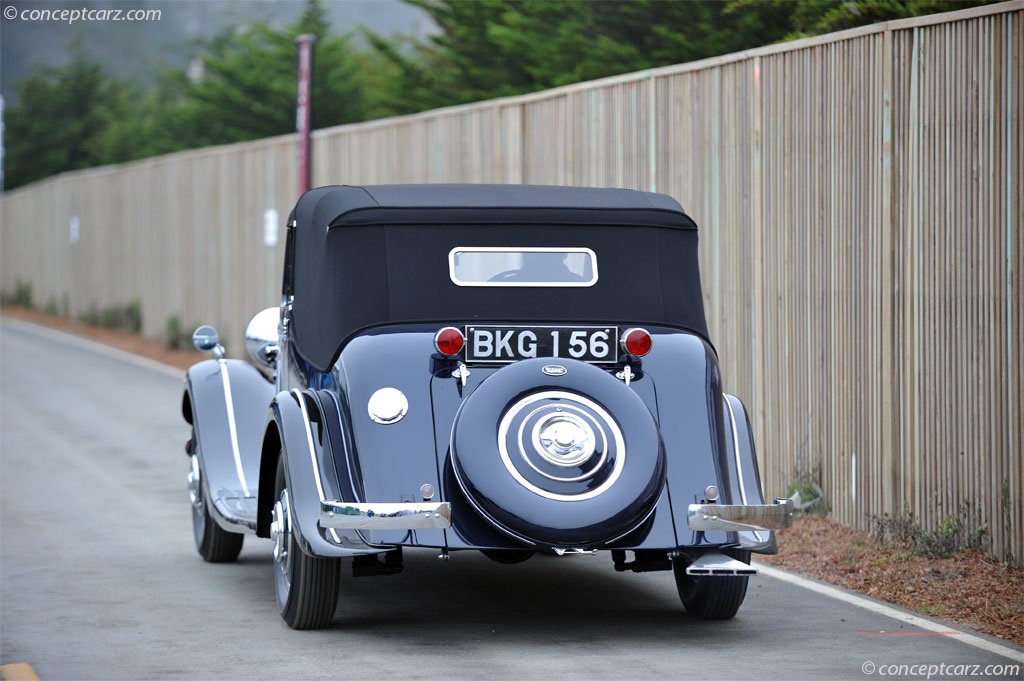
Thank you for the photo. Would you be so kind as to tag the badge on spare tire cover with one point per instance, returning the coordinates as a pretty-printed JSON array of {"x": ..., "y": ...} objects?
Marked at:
[
  {"x": 553, "y": 370},
  {"x": 577, "y": 463}
]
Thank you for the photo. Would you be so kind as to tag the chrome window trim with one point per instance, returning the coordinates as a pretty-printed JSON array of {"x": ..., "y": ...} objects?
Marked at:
[{"x": 522, "y": 249}]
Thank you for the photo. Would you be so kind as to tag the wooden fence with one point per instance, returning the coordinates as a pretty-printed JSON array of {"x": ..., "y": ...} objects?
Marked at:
[{"x": 860, "y": 196}]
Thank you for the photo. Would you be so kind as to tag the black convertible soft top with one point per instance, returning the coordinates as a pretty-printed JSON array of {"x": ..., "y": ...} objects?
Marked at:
[{"x": 360, "y": 257}]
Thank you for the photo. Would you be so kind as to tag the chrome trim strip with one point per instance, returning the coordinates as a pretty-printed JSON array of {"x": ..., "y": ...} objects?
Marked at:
[
  {"x": 777, "y": 516},
  {"x": 736, "y": 449},
  {"x": 384, "y": 516},
  {"x": 714, "y": 564},
  {"x": 736, "y": 456},
  {"x": 312, "y": 452},
  {"x": 232, "y": 427}
]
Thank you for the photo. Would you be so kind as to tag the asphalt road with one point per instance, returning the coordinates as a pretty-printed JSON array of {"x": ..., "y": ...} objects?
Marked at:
[{"x": 99, "y": 578}]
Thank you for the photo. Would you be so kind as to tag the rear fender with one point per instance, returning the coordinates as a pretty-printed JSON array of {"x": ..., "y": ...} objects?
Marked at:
[
  {"x": 742, "y": 472},
  {"x": 295, "y": 430},
  {"x": 225, "y": 401}
]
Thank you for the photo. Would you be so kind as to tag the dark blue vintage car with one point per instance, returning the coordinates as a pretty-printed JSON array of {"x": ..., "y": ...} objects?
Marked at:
[{"x": 508, "y": 369}]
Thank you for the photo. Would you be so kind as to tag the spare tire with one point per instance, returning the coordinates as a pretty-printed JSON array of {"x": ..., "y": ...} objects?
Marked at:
[{"x": 558, "y": 453}]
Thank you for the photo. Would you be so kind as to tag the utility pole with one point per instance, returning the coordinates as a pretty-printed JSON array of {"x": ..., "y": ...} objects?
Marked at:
[{"x": 304, "y": 107}]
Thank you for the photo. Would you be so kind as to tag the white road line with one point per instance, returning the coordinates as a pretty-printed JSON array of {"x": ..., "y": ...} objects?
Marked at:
[
  {"x": 93, "y": 346},
  {"x": 894, "y": 613}
]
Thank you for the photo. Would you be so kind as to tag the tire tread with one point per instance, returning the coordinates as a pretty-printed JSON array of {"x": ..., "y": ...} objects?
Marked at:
[
  {"x": 219, "y": 546},
  {"x": 313, "y": 596},
  {"x": 710, "y": 598}
]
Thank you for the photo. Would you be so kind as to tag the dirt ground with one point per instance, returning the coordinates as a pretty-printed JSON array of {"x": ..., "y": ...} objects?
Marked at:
[{"x": 970, "y": 588}]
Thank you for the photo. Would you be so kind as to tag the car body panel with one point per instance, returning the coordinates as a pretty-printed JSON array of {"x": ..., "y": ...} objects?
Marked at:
[
  {"x": 228, "y": 402},
  {"x": 393, "y": 462}
]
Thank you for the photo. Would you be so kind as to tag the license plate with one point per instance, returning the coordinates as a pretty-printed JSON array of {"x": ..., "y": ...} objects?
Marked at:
[{"x": 597, "y": 344}]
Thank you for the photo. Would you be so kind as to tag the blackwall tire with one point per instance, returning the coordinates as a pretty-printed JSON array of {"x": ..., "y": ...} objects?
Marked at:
[
  {"x": 710, "y": 598},
  {"x": 306, "y": 586},
  {"x": 573, "y": 459},
  {"x": 213, "y": 543}
]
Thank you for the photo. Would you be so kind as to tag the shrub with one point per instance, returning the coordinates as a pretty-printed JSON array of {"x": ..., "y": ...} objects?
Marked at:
[
  {"x": 951, "y": 536},
  {"x": 125, "y": 317},
  {"x": 806, "y": 492},
  {"x": 21, "y": 296}
]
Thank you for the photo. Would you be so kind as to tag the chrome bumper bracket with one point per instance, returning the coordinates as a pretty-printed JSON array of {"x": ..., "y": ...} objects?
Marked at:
[
  {"x": 777, "y": 516},
  {"x": 339, "y": 515}
]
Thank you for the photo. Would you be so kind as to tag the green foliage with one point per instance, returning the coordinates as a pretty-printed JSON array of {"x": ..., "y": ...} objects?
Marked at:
[
  {"x": 21, "y": 296},
  {"x": 75, "y": 116},
  {"x": 951, "y": 536},
  {"x": 59, "y": 119},
  {"x": 172, "y": 333},
  {"x": 494, "y": 48},
  {"x": 177, "y": 336},
  {"x": 126, "y": 317},
  {"x": 806, "y": 492},
  {"x": 814, "y": 17},
  {"x": 247, "y": 87},
  {"x": 242, "y": 86},
  {"x": 936, "y": 610}
]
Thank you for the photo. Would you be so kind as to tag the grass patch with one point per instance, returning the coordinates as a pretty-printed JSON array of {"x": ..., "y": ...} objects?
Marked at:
[{"x": 934, "y": 610}]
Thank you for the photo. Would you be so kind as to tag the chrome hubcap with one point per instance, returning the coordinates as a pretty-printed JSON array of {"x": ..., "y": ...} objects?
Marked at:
[
  {"x": 195, "y": 488},
  {"x": 561, "y": 445},
  {"x": 280, "y": 531},
  {"x": 564, "y": 439}
]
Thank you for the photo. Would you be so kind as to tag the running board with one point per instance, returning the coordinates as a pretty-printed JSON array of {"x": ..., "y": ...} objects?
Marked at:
[
  {"x": 715, "y": 564},
  {"x": 237, "y": 513}
]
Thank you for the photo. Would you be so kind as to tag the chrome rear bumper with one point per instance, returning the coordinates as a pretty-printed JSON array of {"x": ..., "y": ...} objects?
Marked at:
[
  {"x": 339, "y": 515},
  {"x": 777, "y": 516}
]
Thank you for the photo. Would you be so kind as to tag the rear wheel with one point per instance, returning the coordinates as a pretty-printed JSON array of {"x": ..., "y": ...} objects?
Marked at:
[
  {"x": 306, "y": 586},
  {"x": 214, "y": 544},
  {"x": 710, "y": 598}
]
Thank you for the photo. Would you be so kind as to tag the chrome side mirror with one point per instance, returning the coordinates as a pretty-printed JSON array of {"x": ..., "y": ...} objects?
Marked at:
[
  {"x": 261, "y": 338},
  {"x": 206, "y": 339}
]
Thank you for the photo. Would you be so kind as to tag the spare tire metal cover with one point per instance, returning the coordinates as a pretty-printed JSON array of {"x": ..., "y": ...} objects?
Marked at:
[{"x": 558, "y": 460}]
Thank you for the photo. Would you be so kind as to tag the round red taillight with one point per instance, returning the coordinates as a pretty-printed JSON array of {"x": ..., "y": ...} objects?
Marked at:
[
  {"x": 636, "y": 342},
  {"x": 449, "y": 341}
]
